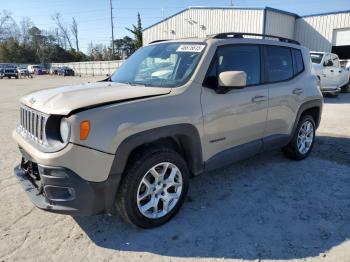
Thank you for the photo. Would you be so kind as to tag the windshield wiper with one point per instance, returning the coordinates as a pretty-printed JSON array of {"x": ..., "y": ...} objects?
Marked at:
[{"x": 137, "y": 84}]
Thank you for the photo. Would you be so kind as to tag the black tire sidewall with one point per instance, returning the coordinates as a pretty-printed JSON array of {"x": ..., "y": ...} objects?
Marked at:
[
  {"x": 295, "y": 137},
  {"x": 133, "y": 177}
]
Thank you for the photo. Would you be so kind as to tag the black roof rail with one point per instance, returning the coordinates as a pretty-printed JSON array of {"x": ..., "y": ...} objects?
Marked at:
[
  {"x": 157, "y": 41},
  {"x": 241, "y": 35}
]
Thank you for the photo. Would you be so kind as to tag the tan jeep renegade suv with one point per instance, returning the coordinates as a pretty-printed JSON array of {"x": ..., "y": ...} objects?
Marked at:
[{"x": 173, "y": 110}]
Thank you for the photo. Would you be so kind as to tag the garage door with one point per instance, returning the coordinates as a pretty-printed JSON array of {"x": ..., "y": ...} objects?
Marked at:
[{"x": 341, "y": 43}]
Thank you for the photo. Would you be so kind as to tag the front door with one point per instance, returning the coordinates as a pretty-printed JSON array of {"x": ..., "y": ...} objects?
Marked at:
[{"x": 237, "y": 118}]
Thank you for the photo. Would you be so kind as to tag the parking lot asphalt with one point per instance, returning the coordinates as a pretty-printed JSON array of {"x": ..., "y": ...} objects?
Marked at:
[{"x": 263, "y": 208}]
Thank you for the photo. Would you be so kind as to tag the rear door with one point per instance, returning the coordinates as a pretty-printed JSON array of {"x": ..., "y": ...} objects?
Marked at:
[
  {"x": 328, "y": 77},
  {"x": 286, "y": 91},
  {"x": 238, "y": 117},
  {"x": 340, "y": 73}
]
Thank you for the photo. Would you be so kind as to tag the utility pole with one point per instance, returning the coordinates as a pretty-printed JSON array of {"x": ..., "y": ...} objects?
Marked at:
[{"x": 110, "y": 2}]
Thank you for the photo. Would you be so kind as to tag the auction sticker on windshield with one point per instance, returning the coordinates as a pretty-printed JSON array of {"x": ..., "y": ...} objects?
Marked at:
[{"x": 190, "y": 48}]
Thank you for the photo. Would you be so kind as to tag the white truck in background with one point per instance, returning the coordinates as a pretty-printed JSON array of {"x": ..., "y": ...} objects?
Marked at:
[{"x": 333, "y": 78}]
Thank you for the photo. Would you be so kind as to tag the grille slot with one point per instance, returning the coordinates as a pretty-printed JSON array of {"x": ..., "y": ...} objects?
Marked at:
[{"x": 33, "y": 123}]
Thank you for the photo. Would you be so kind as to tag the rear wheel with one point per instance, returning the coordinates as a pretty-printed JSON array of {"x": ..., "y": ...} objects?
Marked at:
[
  {"x": 346, "y": 88},
  {"x": 303, "y": 139},
  {"x": 154, "y": 187}
]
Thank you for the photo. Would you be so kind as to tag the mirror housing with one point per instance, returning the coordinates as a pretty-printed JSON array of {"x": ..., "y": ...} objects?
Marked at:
[{"x": 232, "y": 80}]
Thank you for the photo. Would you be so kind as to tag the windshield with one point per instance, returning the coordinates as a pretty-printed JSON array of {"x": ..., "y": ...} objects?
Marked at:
[
  {"x": 316, "y": 58},
  {"x": 163, "y": 65}
]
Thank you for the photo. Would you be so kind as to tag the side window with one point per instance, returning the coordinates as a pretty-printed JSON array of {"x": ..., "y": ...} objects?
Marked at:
[
  {"x": 240, "y": 58},
  {"x": 278, "y": 63},
  {"x": 298, "y": 61},
  {"x": 328, "y": 61},
  {"x": 335, "y": 61}
]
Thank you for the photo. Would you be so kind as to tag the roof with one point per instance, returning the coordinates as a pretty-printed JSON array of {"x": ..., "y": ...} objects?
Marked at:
[
  {"x": 224, "y": 7},
  {"x": 329, "y": 13},
  {"x": 247, "y": 8}
]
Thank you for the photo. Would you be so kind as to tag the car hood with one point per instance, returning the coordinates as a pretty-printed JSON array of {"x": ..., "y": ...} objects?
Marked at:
[{"x": 63, "y": 100}]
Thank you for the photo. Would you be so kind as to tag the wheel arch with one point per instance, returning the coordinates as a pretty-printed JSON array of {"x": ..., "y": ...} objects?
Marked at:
[
  {"x": 182, "y": 137},
  {"x": 313, "y": 108}
]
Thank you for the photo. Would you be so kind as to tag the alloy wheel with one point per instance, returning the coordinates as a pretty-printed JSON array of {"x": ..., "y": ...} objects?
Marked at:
[
  {"x": 159, "y": 190},
  {"x": 305, "y": 137}
]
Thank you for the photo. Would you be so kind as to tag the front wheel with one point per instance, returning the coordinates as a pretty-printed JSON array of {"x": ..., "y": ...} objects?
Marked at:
[
  {"x": 154, "y": 187},
  {"x": 303, "y": 139}
]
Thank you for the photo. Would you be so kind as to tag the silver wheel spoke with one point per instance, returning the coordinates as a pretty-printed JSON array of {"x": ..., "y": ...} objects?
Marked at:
[
  {"x": 155, "y": 174},
  {"x": 147, "y": 192},
  {"x": 149, "y": 205},
  {"x": 165, "y": 168},
  {"x": 165, "y": 204},
  {"x": 173, "y": 196}
]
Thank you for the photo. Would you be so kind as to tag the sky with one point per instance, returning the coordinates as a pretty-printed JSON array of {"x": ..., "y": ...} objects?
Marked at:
[{"x": 93, "y": 16}]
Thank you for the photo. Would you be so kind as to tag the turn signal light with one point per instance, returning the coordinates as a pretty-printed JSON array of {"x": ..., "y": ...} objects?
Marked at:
[{"x": 84, "y": 129}]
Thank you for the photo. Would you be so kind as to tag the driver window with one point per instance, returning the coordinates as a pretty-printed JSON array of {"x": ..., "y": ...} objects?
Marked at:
[{"x": 240, "y": 58}]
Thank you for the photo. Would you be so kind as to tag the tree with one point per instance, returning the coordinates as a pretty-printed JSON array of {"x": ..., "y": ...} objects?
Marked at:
[
  {"x": 25, "y": 25},
  {"x": 74, "y": 29},
  {"x": 124, "y": 47},
  {"x": 8, "y": 27},
  {"x": 57, "y": 18},
  {"x": 137, "y": 32}
]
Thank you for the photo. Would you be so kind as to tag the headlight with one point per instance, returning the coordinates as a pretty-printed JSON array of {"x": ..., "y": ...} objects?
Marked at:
[{"x": 64, "y": 130}]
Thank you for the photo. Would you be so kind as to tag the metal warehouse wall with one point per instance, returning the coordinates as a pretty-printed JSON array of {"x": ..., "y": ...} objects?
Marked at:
[
  {"x": 95, "y": 68},
  {"x": 316, "y": 32},
  {"x": 279, "y": 24},
  {"x": 199, "y": 22}
]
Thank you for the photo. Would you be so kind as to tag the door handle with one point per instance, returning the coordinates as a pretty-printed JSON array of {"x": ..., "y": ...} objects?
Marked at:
[
  {"x": 340, "y": 71},
  {"x": 297, "y": 91},
  {"x": 332, "y": 70},
  {"x": 257, "y": 99}
]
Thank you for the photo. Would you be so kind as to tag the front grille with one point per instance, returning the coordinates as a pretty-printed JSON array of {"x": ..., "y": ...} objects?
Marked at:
[{"x": 33, "y": 123}]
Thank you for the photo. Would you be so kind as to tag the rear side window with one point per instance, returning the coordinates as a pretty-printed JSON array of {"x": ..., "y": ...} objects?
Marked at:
[
  {"x": 279, "y": 66},
  {"x": 240, "y": 58},
  {"x": 298, "y": 61}
]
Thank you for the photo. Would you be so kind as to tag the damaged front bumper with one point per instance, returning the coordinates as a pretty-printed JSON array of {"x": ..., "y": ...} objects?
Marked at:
[{"x": 60, "y": 190}]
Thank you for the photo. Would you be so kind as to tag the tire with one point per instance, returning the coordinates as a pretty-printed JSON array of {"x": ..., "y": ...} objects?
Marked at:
[
  {"x": 133, "y": 186},
  {"x": 292, "y": 150},
  {"x": 346, "y": 88},
  {"x": 334, "y": 95}
]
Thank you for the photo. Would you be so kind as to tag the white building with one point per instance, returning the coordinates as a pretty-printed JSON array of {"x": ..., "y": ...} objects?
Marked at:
[{"x": 321, "y": 32}]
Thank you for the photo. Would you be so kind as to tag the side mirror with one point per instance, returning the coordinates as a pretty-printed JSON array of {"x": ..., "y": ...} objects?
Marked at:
[{"x": 232, "y": 80}]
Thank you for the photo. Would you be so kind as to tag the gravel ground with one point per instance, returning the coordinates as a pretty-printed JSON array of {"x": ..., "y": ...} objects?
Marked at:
[{"x": 264, "y": 208}]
